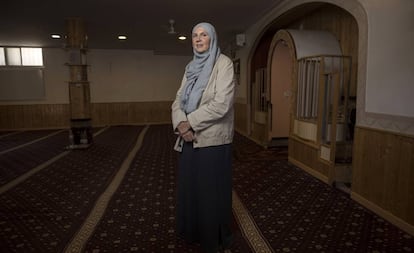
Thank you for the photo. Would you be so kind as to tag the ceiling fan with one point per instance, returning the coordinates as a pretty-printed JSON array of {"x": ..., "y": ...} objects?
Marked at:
[
  {"x": 172, "y": 29},
  {"x": 170, "y": 33}
]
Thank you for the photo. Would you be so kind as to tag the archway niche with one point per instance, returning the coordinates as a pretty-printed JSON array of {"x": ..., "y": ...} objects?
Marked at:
[{"x": 308, "y": 82}]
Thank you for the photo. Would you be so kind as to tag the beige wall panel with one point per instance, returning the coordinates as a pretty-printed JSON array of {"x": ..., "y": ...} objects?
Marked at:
[
  {"x": 383, "y": 174},
  {"x": 34, "y": 116}
]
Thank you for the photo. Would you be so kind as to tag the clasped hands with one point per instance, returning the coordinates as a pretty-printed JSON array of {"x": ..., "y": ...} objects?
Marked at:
[{"x": 185, "y": 131}]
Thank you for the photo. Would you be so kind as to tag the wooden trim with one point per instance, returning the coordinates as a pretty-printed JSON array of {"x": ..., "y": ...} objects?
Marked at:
[
  {"x": 309, "y": 170},
  {"x": 384, "y": 131},
  {"x": 383, "y": 213},
  {"x": 304, "y": 141}
]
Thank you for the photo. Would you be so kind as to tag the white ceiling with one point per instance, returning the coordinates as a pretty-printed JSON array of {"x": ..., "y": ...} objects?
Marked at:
[{"x": 145, "y": 22}]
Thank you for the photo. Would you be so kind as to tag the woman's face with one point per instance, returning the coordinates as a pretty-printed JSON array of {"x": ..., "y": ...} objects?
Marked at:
[{"x": 201, "y": 40}]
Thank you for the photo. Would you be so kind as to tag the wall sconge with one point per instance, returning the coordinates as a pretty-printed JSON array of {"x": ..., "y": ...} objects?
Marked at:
[{"x": 241, "y": 39}]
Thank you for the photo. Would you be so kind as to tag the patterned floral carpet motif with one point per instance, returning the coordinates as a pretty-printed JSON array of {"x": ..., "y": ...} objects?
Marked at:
[
  {"x": 42, "y": 213},
  {"x": 13, "y": 140},
  {"x": 295, "y": 212},
  {"x": 13, "y": 165},
  {"x": 141, "y": 215},
  {"x": 288, "y": 209}
]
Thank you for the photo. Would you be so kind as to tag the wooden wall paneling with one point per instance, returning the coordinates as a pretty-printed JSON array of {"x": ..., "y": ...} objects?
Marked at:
[
  {"x": 138, "y": 112},
  {"x": 368, "y": 167},
  {"x": 404, "y": 196},
  {"x": 34, "y": 116},
  {"x": 165, "y": 111},
  {"x": 159, "y": 112},
  {"x": 258, "y": 133},
  {"x": 97, "y": 112},
  {"x": 307, "y": 158},
  {"x": 119, "y": 113},
  {"x": 240, "y": 117},
  {"x": 383, "y": 172}
]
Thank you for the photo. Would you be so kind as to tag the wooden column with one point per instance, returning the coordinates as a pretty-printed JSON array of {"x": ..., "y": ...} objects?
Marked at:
[{"x": 79, "y": 91}]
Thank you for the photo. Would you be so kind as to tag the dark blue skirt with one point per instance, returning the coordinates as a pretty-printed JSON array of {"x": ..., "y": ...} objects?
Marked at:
[{"x": 204, "y": 196}]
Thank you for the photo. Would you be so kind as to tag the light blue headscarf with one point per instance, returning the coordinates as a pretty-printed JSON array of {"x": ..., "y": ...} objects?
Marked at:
[{"x": 198, "y": 71}]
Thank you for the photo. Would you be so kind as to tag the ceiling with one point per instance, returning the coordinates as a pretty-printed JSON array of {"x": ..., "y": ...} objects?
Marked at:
[{"x": 145, "y": 22}]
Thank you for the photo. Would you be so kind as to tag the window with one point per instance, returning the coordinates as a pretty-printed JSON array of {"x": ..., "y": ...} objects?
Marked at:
[
  {"x": 308, "y": 88},
  {"x": 32, "y": 57},
  {"x": 2, "y": 58},
  {"x": 25, "y": 56},
  {"x": 21, "y": 74},
  {"x": 13, "y": 56}
]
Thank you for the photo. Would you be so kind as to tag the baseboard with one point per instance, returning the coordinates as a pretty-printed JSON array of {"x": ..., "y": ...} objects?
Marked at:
[
  {"x": 403, "y": 225},
  {"x": 249, "y": 137},
  {"x": 309, "y": 170}
]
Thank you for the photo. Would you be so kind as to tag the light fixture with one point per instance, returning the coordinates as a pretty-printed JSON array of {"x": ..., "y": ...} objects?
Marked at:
[
  {"x": 182, "y": 37},
  {"x": 55, "y": 36},
  {"x": 122, "y": 37}
]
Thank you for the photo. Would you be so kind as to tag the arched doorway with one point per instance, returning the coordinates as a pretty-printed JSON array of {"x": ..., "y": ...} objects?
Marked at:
[
  {"x": 280, "y": 93},
  {"x": 310, "y": 145},
  {"x": 308, "y": 67}
]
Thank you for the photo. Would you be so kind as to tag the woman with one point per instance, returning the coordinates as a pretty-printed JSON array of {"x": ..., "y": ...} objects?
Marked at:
[{"x": 202, "y": 117}]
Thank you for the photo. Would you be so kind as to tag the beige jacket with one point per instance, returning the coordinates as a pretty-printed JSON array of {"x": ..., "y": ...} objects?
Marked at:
[{"x": 213, "y": 120}]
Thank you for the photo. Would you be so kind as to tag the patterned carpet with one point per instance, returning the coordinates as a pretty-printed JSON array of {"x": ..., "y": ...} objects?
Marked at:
[
  {"x": 13, "y": 140},
  {"x": 277, "y": 206},
  {"x": 295, "y": 212},
  {"x": 247, "y": 150},
  {"x": 42, "y": 213},
  {"x": 141, "y": 215},
  {"x": 12, "y": 165}
]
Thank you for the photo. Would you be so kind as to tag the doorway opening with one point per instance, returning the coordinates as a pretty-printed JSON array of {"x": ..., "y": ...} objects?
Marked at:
[{"x": 280, "y": 95}]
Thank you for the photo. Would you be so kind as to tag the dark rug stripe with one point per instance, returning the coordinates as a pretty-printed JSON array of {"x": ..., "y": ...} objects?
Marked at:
[
  {"x": 141, "y": 215},
  {"x": 298, "y": 213},
  {"x": 23, "y": 137},
  {"x": 19, "y": 161},
  {"x": 12, "y": 164},
  {"x": 44, "y": 212}
]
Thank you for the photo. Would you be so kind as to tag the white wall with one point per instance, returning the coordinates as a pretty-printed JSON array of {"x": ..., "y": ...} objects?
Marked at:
[
  {"x": 390, "y": 68},
  {"x": 125, "y": 76},
  {"x": 115, "y": 76}
]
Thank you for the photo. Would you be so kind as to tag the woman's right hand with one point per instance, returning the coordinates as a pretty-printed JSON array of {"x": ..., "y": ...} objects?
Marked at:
[
  {"x": 185, "y": 131},
  {"x": 188, "y": 136},
  {"x": 183, "y": 127}
]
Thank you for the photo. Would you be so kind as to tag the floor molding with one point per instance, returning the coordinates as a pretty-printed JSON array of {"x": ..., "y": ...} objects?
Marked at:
[{"x": 403, "y": 225}]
